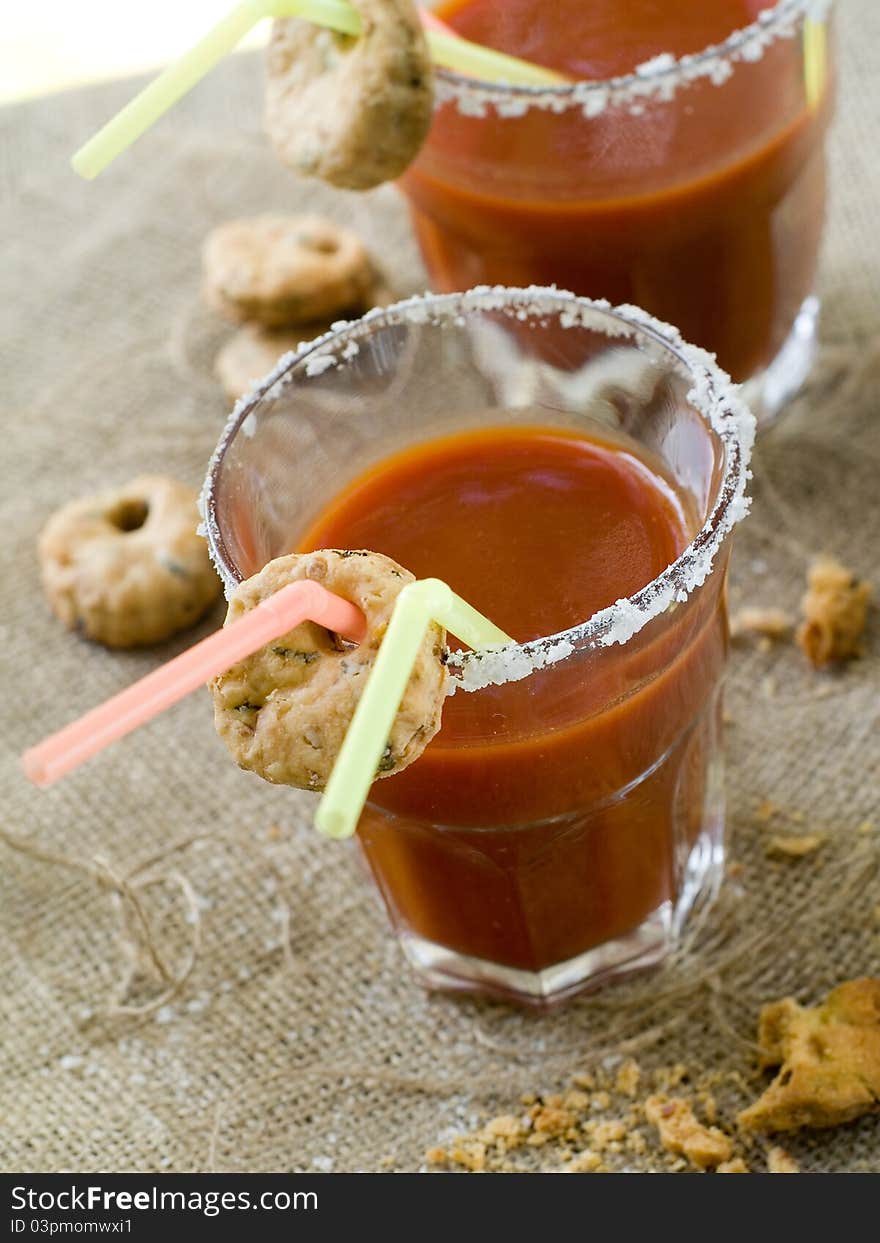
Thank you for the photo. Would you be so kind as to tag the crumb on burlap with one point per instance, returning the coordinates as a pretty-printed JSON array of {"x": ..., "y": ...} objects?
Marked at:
[
  {"x": 790, "y": 846},
  {"x": 598, "y": 1123},
  {"x": 829, "y": 1059},
  {"x": 586, "y": 1162},
  {"x": 626, "y": 1081},
  {"x": 709, "y": 1106},
  {"x": 781, "y": 1162},
  {"x": 734, "y": 1166},
  {"x": 680, "y": 1132},
  {"x": 766, "y": 811},
  {"x": 563, "y": 1123},
  {"x": 606, "y": 1136},
  {"x": 835, "y": 609},
  {"x": 669, "y": 1077},
  {"x": 766, "y": 623},
  {"x": 866, "y": 828}
]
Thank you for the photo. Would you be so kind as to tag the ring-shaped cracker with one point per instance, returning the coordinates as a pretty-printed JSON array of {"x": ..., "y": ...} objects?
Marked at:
[
  {"x": 127, "y": 567},
  {"x": 280, "y": 271},
  {"x": 283, "y": 712},
  {"x": 352, "y": 111}
]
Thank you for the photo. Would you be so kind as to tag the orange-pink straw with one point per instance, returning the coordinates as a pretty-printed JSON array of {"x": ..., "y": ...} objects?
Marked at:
[{"x": 58, "y": 754}]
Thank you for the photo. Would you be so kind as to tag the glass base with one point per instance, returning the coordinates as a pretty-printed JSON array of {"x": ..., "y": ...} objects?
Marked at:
[
  {"x": 440, "y": 968},
  {"x": 770, "y": 392}
]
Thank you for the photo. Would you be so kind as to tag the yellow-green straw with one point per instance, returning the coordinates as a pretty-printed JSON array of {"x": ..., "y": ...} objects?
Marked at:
[
  {"x": 145, "y": 109},
  {"x": 354, "y": 772},
  {"x": 815, "y": 60}
]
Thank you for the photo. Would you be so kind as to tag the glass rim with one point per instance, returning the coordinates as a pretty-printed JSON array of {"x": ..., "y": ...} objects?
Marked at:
[
  {"x": 712, "y": 394},
  {"x": 659, "y": 76}
]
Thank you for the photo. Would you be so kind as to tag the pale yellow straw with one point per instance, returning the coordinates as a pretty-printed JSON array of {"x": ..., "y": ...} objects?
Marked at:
[
  {"x": 815, "y": 60},
  {"x": 354, "y": 772},
  {"x": 144, "y": 110}
]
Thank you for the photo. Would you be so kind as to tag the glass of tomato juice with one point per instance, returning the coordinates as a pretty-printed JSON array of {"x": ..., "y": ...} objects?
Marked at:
[
  {"x": 574, "y": 471},
  {"x": 682, "y": 170}
]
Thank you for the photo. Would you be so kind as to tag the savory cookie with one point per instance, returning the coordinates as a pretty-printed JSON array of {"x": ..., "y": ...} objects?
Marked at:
[
  {"x": 353, "y": 111},
  {"x": 281, "y": 271},
  {"x": 127, "y": 567},
  {"x": 284, "y": 711}
]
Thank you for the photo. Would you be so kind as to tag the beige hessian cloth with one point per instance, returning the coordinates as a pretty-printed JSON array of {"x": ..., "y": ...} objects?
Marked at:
[{"x": 273, "y": 1026}]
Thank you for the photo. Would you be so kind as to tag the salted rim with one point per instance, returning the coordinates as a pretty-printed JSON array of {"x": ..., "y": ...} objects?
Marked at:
[
  {"x": 712, "y": 393},
  {"x": 659, "y": 77}
]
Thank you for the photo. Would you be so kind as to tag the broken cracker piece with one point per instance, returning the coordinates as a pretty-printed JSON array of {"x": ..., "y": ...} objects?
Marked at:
[
  {"x": 835, "y": 609},
  {"x": 766, "y": 623},
  {"x": 627, "y": 1079},
  {"x": 789, "y": 846},
  {"x": 586, "y": 1162},
  {"x": 781, "y": 1162},
  {"x": 736, "y": 1166},
  {"x": 829, "y": 1057},
  {"x": 680, "y": 1132}
]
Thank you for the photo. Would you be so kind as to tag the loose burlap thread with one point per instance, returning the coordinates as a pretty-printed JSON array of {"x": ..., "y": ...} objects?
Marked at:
[{"x": 191, "y": 979}]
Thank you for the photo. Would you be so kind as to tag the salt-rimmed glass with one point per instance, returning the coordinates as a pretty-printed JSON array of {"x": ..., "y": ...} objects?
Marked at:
[
  {"x": 591, "y": 850},
  {"x": 692, "y": 187}
]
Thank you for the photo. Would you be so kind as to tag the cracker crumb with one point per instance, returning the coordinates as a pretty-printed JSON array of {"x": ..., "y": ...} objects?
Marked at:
[
  {"x": 604, "y": 1134},
  {"x": 680, "y": 1132},
  {"x": 668, "y": 1077},
  {"x": 709, "y": 1106},
  {"x": 829, "y": 1059},
  {"x": 735, "y": 1166},
  {"x": 835, "y": 609},
  {"x": 781, "y": 1162},
  {"x": 469, "y": 1153},
  {"x": 789, "y": 846},
  {"x": 600, "y": 1101},
  {"x": 627, "y": 1079},
  {"x": 586, "y": 1162},
  {"x": 865, "y": 828},
  {"x": 583, "y": 1079},
  {"x": 550, "y": 1120},
  {"x": 766, "y": 810},
  {"x": 767, "y": 623},
  {"x": 506, "y": 1126}
]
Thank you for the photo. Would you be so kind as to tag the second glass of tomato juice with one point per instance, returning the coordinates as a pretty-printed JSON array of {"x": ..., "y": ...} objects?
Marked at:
[
  {"x": 574, "y": 472},
  {"x": 683, "y": 170}
]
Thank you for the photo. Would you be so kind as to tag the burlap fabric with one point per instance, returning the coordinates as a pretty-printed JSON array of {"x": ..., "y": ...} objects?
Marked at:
[{"x": 266, "y": 1020}]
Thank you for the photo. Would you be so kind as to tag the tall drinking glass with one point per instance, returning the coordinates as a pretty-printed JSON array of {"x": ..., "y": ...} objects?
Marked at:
[
  {"x": 694, "y": 188},
  {"x": 569, "y": 816}
]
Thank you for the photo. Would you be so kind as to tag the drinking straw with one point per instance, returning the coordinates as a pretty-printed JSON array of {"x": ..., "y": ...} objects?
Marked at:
[
  {"x": 815, "y": 60},
  {"x": 146, "y": 698},
  {"x": 419, "y": 603},
  {"x": 447, "y": 49}
]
